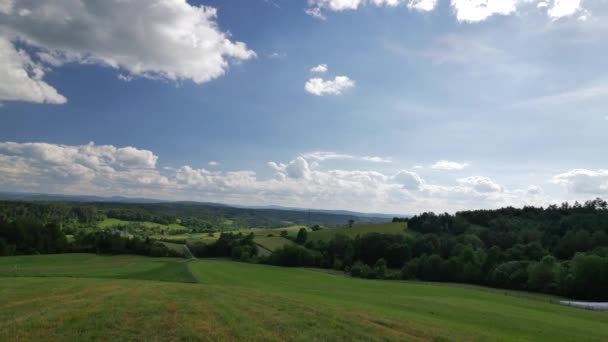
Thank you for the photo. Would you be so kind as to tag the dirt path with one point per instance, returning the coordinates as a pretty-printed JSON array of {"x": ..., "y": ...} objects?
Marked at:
[{"x": 189, "y": 252}]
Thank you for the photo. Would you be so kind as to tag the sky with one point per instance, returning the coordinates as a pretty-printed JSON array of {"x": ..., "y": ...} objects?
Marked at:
[{"x": 395, "y": 106}]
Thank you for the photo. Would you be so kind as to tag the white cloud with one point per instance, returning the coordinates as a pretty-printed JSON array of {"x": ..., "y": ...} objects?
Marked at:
[
  {"x": 470, "y": 11},
  {"x": 336, "y": 5},
  {"x": 21, "y": 78},
  {"x": 170, "y": 39},
  {"x": 584, "y": 93},
  {"x": 321, "y": 68},
  {"x": 278, "y": 55},
  {"x": 448, "y": 165},
  {"x": 409, "y": 180},
  {"x": 84, "y": 168},
  {"x": 480, "y": 10},
  {"x": 315, "y": 12},
  {"x": 214, "y": 163},
  {"x": 325, "y": 155},
  {"x": 316, "y": 6},
  {"x": 129, "y": 171},
  {"x": 321, "y": 87},
  {"x": 583, "y": 181},
  {"x": 6, "y": 6},
  {"x": 564, "y": 8},
  {"x": 481, "y": 184},
  {"x": 422, "y": 5},
  {"x": 534, "y": 190}
]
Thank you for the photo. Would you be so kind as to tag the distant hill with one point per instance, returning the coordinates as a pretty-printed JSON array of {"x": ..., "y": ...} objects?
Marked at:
[
  {"x": 373, "y": 217},
  {"x": 194, "y": 215},
  {"x": 73, "y": 198},
  {"x": 336, "y": 212}
]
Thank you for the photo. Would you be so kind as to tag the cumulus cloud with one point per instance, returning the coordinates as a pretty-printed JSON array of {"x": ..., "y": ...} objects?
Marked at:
[
  {"x": 480, "y": 10},
  {"x": 321, "y": 87},
  {"x": 321, "y": 68},
  {"x": 302, "y": 181},
  {"x": 564, "y": 8},
  {"x": 214, "y": 163},
  {"x": 326, "y": 155},
  {"x": 336, "y": 5},
  {"x": 316, "y": 6},
  {"x": 409, "y": 180},
  {"x": 534, "y": 190},
  {"x": 278, "y": 55},
  {"x": 170, "y": 39},
  {"x": 583, "y": 181},
  {"x": 21, "y": 78},
  {"x": 422, "y": 5},
  {"x": 470, "y": 11},
  {"x": 481, "y": 184},
  {"x": 87, "y": 167},
  {"x": 448, "y": 165}
]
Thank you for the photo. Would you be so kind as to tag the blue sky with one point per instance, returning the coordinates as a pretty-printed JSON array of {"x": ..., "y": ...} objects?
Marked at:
[{"x": 419, "y": 105}]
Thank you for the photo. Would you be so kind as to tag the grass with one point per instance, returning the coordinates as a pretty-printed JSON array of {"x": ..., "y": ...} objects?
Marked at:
[
  {"x": 176, "y": 247},
  {"x": 94, "y": 266},
  {"x": 386, "y": 228},
  {"x": 206, "y": 238},
  {"x": 115, "y": 223},
  {"x": 272, "y": 243},
  {"x": 237, "y": 301}
]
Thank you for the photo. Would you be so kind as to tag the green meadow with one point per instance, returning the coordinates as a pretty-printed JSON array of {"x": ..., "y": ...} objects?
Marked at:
[
  {"x": 86, "y": 297},
  {"x": 383, "y": 228}
]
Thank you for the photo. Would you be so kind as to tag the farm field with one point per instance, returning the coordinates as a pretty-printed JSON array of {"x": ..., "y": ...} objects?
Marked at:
[
  {"x": 262, "y": 237},
  {"x": 94, "y": 266},
  {"x": 115, "y": 223},
  {"x": 269, "y": 244},
  {"x": 176, "y": 247},
  {"x": 85, "y": 298},
  {"x": 384, "y": 228}
]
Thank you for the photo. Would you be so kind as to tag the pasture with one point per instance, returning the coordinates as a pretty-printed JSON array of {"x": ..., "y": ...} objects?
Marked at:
[
  {"x": 143, "y": 226},
  {"x": 384, "y": 228},
  {"x": 87, "y": 297}
]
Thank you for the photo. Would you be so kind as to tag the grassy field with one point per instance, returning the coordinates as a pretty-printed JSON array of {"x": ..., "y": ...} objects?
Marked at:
[
  {"x": 190, "y": 237},
  {"x": 93, "y": 266},
  {"x": 115, "y": 223},
  {"x": 74, "y": 297},
  {"x": 176, "y": 247},
  {"x": 269, "y": 244},
  {"x": 386, "y": 228},
  {"x": 261, "y": 235}
]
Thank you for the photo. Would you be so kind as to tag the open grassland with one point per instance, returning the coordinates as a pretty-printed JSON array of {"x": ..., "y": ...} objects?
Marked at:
[
  {"x": 384, "y": 228},
  {"x": 176, "y": 247},
  {"x": 144, "y": 225},
  {"x": 94, "y": 266},
  {"x": 272, "y": 243},
  {"x": 261, "y": 236},
  {"x": 233, "y": 301}
]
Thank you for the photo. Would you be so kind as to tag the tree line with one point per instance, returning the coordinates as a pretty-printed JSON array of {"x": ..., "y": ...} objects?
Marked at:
[
  {"x": 29, "y": 237},
  {"x": 559, "y": 250}
]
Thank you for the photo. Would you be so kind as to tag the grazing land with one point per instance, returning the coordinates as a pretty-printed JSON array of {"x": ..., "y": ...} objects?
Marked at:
[
  {"x": 272, "y": 243},
  {"x": 382, "y": 228},
  {"x": 88, "y": 297}
]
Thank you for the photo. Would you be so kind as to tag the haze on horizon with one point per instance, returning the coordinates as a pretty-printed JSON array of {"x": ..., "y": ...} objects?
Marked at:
[{"x": 396, "y": 106}]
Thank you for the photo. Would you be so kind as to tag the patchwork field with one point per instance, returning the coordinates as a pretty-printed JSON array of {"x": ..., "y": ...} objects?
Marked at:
[
  {"x": 150, "y": 227},
  {"x": 385, "y": 228},
  {"x": 269, "y": 244},
  {"x": 87, "y": 297},
  {"x": 267, "y": 238}
]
